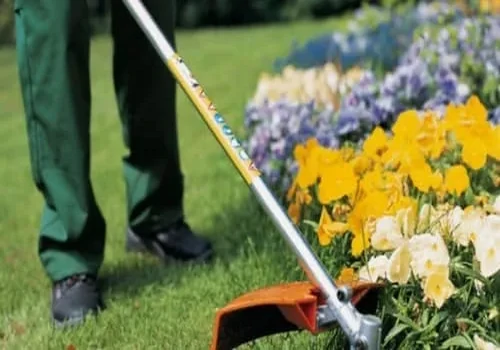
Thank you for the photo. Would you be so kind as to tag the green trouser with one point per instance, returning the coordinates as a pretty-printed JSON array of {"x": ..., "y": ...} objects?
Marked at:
[{"x": 53, "y": 38}]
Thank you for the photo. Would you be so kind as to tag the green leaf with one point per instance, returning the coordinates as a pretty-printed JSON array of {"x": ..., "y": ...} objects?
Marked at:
[
  {"x": 456, "y": 341},
  {"x": 394, "y": 332},
  {"x": 473, "y": 324},
  {"x": 313, "y": 224},
  {"x": 437, "y": 319}
]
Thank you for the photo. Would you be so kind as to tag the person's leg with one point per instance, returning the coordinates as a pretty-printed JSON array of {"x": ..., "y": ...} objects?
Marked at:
[
  {"x": 52, "y": 42},
  {"x": 146, "y": 95}
]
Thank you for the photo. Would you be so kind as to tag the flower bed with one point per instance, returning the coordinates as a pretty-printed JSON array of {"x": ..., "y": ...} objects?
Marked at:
[
  {"x": 417, "y": 208},
  {"x": 375, "y": 34},
  {"x": 442, "y": 65}
]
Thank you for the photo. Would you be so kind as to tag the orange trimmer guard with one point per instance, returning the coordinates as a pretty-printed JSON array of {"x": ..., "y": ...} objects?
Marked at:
[{"x": 279, "y": 309}]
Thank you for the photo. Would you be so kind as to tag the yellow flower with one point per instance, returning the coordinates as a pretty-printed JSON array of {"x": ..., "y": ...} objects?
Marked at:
[
  {"x": 337, "y": 181},
  {"x": 303, "y": 196},
  {"x": 407, "y": 124},
  {"x": 361, "y": 163},
  {"x": 399, "y": 265},
  {"x": 347, "y": 276},
  {"x": 375, "y": 269},
  {"x": 456, "y": 180},
  {"x": 431, "y": 137},
  {"x": 436, "y": 180},
  {"x": 403, "y": 154},
  {"x": 428, "y": 252},
  {"x": 422, "y": 177},
  {"x": 387, "y": 235},
  {"x": 327, "y": 228},
  {"x": 307, "y": 159},
  {"x": 294, "y": 212},
  {"x": 487, "y": 246},
  {"x": 364, "y": 213},
  {"x": 376, "y": 143},
  {"x": 474, "y": 154},
  {"x": 437, "y": 286},
  {"x": 470, "y": 125}
]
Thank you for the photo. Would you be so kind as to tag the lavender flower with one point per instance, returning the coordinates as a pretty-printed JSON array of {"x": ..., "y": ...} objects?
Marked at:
[{"x": 442, "y": 65}]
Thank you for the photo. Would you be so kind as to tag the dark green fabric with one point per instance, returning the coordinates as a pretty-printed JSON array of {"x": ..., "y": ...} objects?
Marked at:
[{"x": 53, "y": 59}]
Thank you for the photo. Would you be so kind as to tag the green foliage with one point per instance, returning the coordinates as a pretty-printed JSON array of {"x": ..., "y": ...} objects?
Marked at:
[
  {"x": 193, "y": 13},
  {"x": 6, "y": 22}
]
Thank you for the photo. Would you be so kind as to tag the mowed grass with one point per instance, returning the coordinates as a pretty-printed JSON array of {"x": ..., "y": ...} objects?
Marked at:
[{"x": 151, "y": 306}]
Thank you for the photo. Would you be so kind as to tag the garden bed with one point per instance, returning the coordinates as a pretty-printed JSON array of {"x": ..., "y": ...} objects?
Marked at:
[{"x": 396, "y": 171}]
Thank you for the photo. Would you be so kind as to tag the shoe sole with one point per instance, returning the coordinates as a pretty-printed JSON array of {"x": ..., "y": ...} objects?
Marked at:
[
  {"x": 74, "y": 321},
  {"x": 135, "y": 245}
]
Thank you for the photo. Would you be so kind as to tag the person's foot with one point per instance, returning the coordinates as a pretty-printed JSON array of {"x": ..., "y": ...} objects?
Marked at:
[
  {"x": 75, "y": 298},
  {"x": 178, "y": 242}
]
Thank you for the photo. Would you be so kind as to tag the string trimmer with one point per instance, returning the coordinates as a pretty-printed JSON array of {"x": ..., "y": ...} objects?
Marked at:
[{"x": 315, "y": 305}]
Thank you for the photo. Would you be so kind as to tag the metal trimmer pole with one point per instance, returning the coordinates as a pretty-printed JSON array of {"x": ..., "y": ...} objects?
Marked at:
[{"x": 363, "y": 331}]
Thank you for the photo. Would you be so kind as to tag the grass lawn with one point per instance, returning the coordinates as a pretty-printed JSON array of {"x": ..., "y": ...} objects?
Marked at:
[{"x": 151, "y": 306}]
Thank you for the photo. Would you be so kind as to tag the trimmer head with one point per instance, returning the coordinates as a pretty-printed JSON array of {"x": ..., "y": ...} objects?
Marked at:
[{"x": 282, "y": 308}]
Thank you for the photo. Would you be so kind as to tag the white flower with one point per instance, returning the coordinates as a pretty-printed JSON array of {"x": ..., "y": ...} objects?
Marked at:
[
  {"x": 387, "y": 235},
  {"x": 399, "y": 265},
  {"x": 375, "y": 269},
  {"x": 407, "y": 221},
  {"x": 428, "y": 252},
  {"x": 482, "y": 344},
  {"x": 496, "y": 205},
  {"x": 487, "y": 246}
]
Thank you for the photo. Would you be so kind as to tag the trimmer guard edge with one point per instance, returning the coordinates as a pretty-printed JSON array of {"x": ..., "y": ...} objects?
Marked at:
[{"x": 278, "y": 309}]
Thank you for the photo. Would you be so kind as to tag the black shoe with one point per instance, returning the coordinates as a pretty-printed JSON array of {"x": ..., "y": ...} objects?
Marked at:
[
  {"x": 178, "y": 242},
  {"x": 74, "y": 298}
]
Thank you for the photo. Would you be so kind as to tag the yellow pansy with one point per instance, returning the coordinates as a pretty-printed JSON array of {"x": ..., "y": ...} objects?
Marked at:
[
  {"x": 307, "y": 159},
  {"x": 337, "y": 181},
  {"x": 327, "y": 228},
  {"x": 474, "y": 153},
  {"x": 431, "y": 138},
  {"x": 456, "y": 180},
  {"x": 376, "y": 143},
  {"x": 422, "y": 177},
  {"x": 347, "y": 276},
  {"x": 294, "y": 211}
]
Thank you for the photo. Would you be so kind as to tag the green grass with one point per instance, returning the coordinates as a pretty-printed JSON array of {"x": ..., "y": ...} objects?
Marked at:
[{"x": 151, "y": 306}]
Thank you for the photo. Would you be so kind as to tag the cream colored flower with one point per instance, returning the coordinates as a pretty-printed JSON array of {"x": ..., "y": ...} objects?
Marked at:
[
  {"x": 468, "y": 223},
  {"x": 482, "y": 344},
  {"x": 428, "y": 252},
  {"x": 375, "y": 269},
  {"x": 496, "y": 205},
  {"x": 407, "y": 221},
  {"x": 399, "y": 265},
  {"x": 437, "y": 286},
  {"x": 487, "y": 246},
  {"x": 425, "y": 217},
  {"x": 387, "y": 235}
]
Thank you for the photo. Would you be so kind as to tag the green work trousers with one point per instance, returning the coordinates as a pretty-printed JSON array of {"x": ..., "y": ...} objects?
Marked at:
[{"x": 53, "y": 40}]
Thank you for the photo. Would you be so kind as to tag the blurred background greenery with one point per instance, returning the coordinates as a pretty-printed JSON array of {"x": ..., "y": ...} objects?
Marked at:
[{"x": 202, "y": 13}]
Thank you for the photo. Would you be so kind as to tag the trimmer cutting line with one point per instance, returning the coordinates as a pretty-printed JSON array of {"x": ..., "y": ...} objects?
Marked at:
[{"x": 314, "y": 306}]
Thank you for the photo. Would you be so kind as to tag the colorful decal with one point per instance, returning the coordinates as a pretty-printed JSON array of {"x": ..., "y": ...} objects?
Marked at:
[
  {"x": 226, "y": 130},
  {"x": 204, "y": 101}
]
